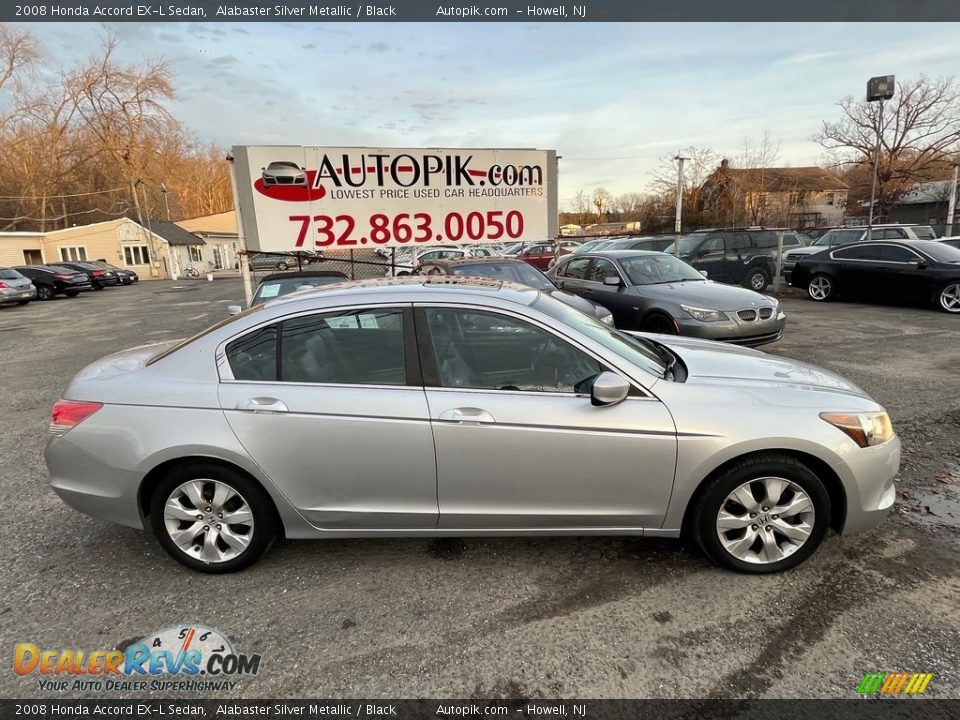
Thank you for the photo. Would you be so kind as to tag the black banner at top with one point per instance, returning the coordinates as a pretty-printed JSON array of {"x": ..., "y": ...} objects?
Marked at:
[{"x": 499, "y": 11}]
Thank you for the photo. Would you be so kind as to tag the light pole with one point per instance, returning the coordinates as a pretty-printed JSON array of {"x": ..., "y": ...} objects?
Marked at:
[
  {"x": 677, "y": 220},
  {"x": 878, "y": 89},
  {"x": 166, "y": 200},
  {"x": 952, "y": 206}
]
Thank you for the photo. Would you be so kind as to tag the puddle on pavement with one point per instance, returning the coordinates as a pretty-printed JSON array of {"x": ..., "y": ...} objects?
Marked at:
[{"x": 937, "y": 506}]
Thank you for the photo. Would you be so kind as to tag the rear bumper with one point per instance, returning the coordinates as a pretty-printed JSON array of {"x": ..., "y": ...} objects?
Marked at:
[
  {"x": 11, "y": 294},
  {"x": 91, "y": 486}
]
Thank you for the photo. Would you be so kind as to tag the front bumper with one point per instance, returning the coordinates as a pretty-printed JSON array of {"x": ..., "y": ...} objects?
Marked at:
[
  {"x": 871, "y": 491},
  {"x": 752, "y": 333}
]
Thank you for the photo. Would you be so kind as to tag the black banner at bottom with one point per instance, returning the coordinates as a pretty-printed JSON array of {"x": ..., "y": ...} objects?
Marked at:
[{"x": 872, "y": 709}]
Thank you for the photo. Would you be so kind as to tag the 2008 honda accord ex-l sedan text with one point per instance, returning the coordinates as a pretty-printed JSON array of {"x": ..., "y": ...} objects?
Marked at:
[{"x": 465, "y": 406}]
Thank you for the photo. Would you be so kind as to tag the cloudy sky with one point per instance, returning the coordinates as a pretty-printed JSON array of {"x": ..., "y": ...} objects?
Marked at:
[{"x": 610, "y": 98}]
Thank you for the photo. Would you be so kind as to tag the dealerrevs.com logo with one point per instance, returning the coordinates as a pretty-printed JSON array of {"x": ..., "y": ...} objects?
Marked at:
[
  {"x": 286, "y": 180},
  {"x": 184, "y": 658}
]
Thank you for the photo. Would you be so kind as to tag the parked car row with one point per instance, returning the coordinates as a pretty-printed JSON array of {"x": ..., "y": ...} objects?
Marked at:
[{"x": 23, "y": 283}]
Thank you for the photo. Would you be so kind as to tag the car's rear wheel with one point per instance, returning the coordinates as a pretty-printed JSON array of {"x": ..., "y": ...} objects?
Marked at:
[
  {"x": 757, "y": 279},
  {"x": 45, "y": 292},
  {"x": 949, "y": 297},
  {"x": 659, "y": 323},
  {"x": 764, "y": 514},
  {"x": 211, "y": 518},
  {"x": 821, "y": 288},
  {"x": 282, "y": 266}
]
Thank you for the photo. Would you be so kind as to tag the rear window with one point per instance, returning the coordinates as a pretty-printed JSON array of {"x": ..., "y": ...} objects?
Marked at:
[
  {"x": 8, "y": 274},
  {"x": 204, "y": 333}
]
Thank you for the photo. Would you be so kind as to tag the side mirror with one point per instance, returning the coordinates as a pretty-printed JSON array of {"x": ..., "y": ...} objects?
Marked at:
[
  {"x": 234, "y": 309},
  {"x": 704, "y": 273},
  {"x": 608, "y": 389},
  {"x": 612, "y": 280},
  {"x": 920, "y": 264}
]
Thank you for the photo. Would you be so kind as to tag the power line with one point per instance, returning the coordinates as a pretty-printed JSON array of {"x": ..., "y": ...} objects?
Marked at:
[
  {"x": 60, "y": 197},
  {"x": 62, "y": 217}
]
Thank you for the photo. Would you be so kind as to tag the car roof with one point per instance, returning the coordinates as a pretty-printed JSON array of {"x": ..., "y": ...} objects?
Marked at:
[
  {"x": 302, "y": 274},
  {"x": 618, "y": 254},
  {"x": 416, "y": 288},
  {"x": 491, "y": 260}
]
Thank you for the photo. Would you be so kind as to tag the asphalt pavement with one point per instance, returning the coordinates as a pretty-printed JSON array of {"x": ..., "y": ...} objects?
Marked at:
[{"x": 508, "y": 617}]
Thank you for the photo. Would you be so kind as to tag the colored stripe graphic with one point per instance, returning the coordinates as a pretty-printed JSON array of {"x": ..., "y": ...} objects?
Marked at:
[{"x": 894, "y": 683}]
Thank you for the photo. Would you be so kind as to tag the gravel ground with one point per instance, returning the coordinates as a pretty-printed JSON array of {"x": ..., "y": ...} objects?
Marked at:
[{"x": 508, "y": 617}]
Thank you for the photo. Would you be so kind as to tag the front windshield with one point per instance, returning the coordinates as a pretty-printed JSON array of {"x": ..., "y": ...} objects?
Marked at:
[
  {"x": 688, "y": 243},
  {"x": 519, "y": 272},
  {"x": 638, "y": 351},
  {"x": 657, "y": 269},
  {"x": 838, "y": 237}
]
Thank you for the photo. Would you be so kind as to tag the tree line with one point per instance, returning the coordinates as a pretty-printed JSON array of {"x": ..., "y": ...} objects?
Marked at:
[
  {"x": 919, "y": 141},
  {"x": 97, "y": 143}
]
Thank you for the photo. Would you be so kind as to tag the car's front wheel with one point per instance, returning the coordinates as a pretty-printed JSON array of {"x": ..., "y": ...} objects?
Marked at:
[
  {"x": 757, "y": 279},
  {"x": 659, "y": 322},
  {"x": 282, "y": 266},
  {"x": 211, "y": 518},
  {"x": 764, "y": 514},
  {"x": 45, "y": 292},
  {"x": 949, "y": 297},
  {"x": 821, "y": 288}
]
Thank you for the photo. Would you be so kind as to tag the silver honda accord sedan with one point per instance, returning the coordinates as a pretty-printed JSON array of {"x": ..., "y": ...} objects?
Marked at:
[{"x": 495, "y": 410}]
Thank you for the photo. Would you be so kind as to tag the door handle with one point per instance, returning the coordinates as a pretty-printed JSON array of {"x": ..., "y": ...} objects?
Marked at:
[
  {"x": 262, "y": 405},
  {"x": 469, "y": 415}
]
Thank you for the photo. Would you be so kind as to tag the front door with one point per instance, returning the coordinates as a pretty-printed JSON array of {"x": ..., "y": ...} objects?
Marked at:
[
  {"x": 518, "y": 442},
  {"x": 330, "y": 406}
]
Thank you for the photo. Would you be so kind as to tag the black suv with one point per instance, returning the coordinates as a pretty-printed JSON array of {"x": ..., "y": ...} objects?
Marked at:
[{"x": 740, "y": 256}]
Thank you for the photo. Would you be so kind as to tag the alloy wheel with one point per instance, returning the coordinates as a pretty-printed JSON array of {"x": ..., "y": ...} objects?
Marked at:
[
  {"x": 950, "y": 298},
  {"x": 765, "y": 520},
  {"x": 758, "y": 282},
  {"x": 208, "y": 520},
  {"x": 820, "y": 288}
]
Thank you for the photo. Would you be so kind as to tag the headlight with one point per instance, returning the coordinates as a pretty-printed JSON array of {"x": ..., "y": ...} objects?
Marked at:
[
  {"x": 865, "y": 428},
  {"x": 703, "y": 314},
  {"x": 606, "y": 318}
]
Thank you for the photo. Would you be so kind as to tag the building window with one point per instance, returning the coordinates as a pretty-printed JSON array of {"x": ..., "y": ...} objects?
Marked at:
[
  {"x": 73, "y": 254},
  {"x": 831, "y": 198},
  {"x": 195, "y": 254},
  {"x": 136, "y": 255},
  {"x": 32, "y": 257}
]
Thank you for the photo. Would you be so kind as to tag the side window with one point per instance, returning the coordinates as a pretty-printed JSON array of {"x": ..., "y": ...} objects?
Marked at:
[
  {"x": 576, "y": 269},
  {"x": 737, "y": 242},
  {"x": 361, "y": 347},
  {"x": 791, "y": 240},
  {"x": 601, "y": 269},
  {"x": 891, "y": 234},
  {"x": 489, "y": 351},
  {"x": 858, "y": 251},
  {"x": 768, "y": 239},
  {"x": 711, "y": 246},
  {"x": 254, "y": 356},
  {"x": 895, "y": 253},
  {"x": 924, "y": 232}
]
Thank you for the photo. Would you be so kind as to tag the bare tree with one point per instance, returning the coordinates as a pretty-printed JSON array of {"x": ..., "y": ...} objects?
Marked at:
[
  {"x": 581, "y": 206},
  {"x": 629, "y": 206},
  {"x": 601, "y": 199},
  {"x": 754, "y": 183},
  {"x": 919, "y": 134}
]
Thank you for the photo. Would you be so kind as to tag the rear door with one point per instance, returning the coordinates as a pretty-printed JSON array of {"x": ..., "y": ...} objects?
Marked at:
[{"x": 330, "y": 405}]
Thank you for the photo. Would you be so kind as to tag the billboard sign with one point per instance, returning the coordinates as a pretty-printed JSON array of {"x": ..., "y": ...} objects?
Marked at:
[{"x": 308, "y": 198}]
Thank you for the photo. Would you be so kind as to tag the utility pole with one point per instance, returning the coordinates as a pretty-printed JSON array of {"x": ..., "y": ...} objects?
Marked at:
[
  {"x": 166, "y": 200},
  {"x": 150, "y": 243},
  {"x": 878, "y": 88},
  {"x": 952, "y": 207},
  {"x": 677, "y": 224}
]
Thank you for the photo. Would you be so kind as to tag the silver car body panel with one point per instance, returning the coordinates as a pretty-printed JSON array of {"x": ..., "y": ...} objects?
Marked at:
[{"x": 364, "y": 460}]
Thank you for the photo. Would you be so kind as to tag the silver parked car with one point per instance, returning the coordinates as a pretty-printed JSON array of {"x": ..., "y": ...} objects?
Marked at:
[
  {"x": 15, "y": 287},
  {"x": 659, "y": 293},
  {"x": 282, "y": 172},
  {"x": 495, "y": 409}
]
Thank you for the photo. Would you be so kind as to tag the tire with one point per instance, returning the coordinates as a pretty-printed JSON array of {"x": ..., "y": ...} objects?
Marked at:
[
  {"x": 821, "y": 288},
  {"x": 659, "y": 322},
  {"x": 948, "y": 299},
  {"x": 171, "y": 510},
  {"x": 45, "y": 292},
  {"x": 71, "y": 293},
  {"x": 757, "y": 279},
  {"x": 282, "y": 266},
  {"x": 98, "y": 287},
  {"x": 783, "y": 482},
  {"x": 23, "y": 302}
]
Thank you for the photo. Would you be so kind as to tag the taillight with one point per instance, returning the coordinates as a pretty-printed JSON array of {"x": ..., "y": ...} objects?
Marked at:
[
  {"x": 3, "y": 284},
  {"x": 67, "y": 414},
  {"x": 63, "y": 276},
  {"x": 96, "y": 273}
]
